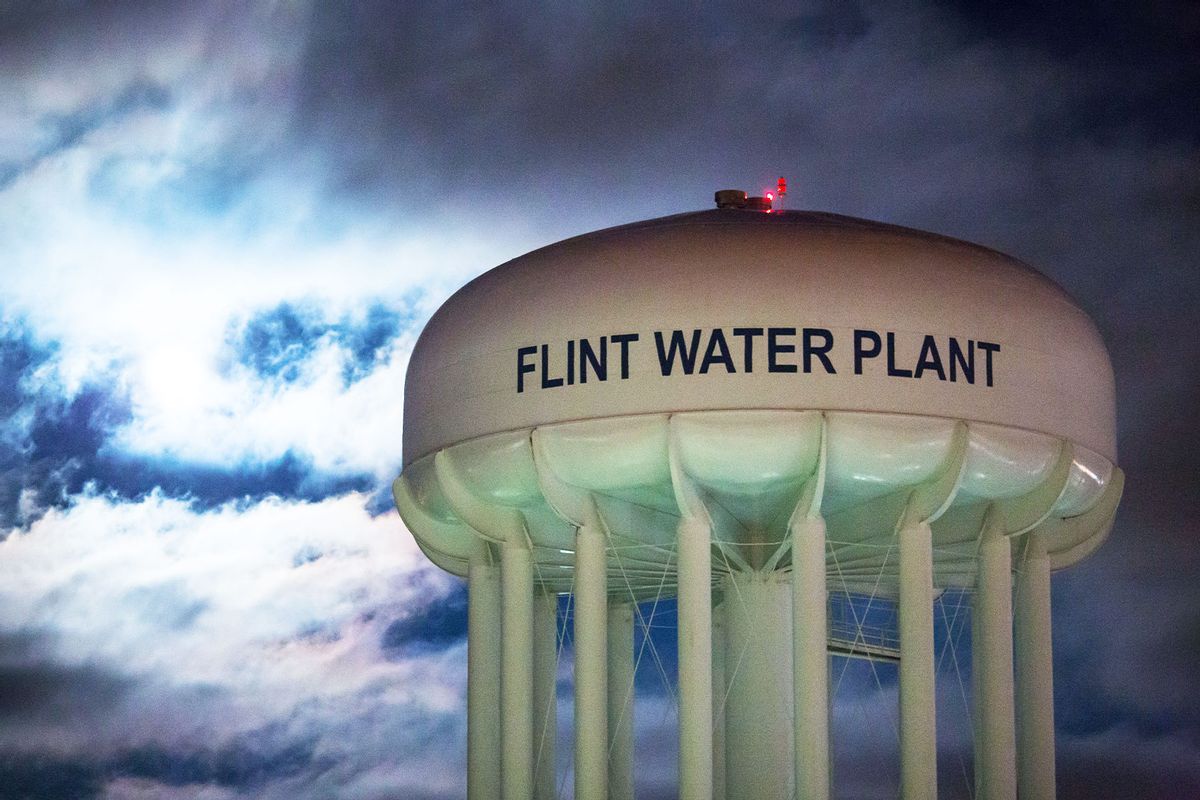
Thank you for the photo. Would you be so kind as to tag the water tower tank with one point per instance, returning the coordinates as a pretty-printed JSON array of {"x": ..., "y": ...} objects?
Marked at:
[{"x": 740, "y": 408}]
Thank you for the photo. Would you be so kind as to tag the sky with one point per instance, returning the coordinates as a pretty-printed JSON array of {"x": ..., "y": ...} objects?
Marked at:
[{"x": 222, "y": 226}]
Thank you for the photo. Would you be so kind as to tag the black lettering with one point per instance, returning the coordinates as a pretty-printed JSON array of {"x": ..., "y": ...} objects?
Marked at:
[
  {"x": 929, "y": 359},
  {"x": 624, "y": 339},
  {"x": 716, "y": 341},
  {"x": 548, "y": 382},
  {"x": 821, "y": 352},
  {"x": 988, "y": 348},
  {"x": 748, "y": 335},
  {"x": 893, "y": 371},
  {"x": 774, "y": 348},
  {"x": 966, "y": 362},
  {"x": 588, "y": 356},
  {"x": 570, "y": 362},
  {"x": 860, "y": 352},
  {"x": 522, "y": 367},
  {"x": 687, "y": 358}
]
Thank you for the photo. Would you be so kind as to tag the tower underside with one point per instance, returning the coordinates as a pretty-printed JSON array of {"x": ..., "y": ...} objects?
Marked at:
[{"x": 750, "y": 519}]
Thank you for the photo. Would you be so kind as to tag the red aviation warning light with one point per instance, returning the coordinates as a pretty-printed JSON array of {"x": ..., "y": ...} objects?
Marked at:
[{"x": 768, "y": 201}]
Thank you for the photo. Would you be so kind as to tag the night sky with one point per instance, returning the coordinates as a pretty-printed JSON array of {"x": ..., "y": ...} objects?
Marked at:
[{"x": 222, "y": 226}]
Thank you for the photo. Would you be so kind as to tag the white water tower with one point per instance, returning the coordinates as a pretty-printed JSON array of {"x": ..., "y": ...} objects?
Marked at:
[{"x": 737, "y": 408}]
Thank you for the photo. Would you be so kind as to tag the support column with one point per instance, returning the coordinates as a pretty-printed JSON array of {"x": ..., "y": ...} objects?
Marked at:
[
  {"x": 992, "y": 659},
  {"x": 810, "y": 660},
  {"x": 545, "y": 701},
  {"x": 695, "y": 659},
  {"x": 1035, "y": 675},
  {"x": 918, "y": 730},
  {"x": 718, "y": 716},
  {"x": 620, "y": 700},
  {"x": 483, "y": 677},
  {"x": 759, "y": 746},
  {"x": 516, "y": 702},
  {"x": 591, "y": 665}
]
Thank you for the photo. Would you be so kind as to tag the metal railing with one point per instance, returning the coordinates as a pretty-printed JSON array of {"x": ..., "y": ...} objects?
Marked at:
[{"x": 863, "y": 627}]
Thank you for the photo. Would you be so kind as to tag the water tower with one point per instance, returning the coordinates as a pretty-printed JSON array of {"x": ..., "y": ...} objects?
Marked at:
[{"x": 735, "y": 407}]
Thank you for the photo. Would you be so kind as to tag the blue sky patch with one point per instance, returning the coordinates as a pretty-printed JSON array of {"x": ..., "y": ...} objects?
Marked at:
[
  {"x": 52, "y": 446},
  {"x": 277, "y": 345},
  {"x": 437, "y": 626}
]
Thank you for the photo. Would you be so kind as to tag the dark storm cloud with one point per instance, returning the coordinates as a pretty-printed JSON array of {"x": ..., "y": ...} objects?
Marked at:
[
  {"x": 827, "y": 24},
  {"x": 1127, "y": 640},
  {"x": 278, "y": 343},
  {"x": 1150, "y": 42},
  {"x": 247, "y": 763},
  {"x": 46, "y": 778},
  {"x": 1126, "y": 765},
  {"x": 34, "y": 687},
  {"x": 25, "y": 25},
  {"x": 416, "y": 112},
  {"x": 40, "y": 694},
  {"x": 658, "y": 105},
  {"x": 53, "y": 444}
]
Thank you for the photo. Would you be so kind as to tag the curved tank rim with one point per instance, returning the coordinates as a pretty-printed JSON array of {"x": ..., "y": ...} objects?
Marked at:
[
  {"x": 1066, "y": 509},
  {"x": 734, "y": 217},
  {"x": 408, "y": 462}
]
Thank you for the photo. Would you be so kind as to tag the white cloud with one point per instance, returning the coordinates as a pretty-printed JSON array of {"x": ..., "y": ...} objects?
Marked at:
[
  {"x": 115, "y": 250},
  {"x": 227, "y": 620},
  {"x": 208, "y": 627},
  {"x": 110, "y": 291}
]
